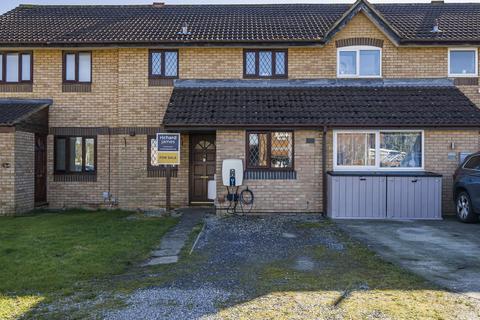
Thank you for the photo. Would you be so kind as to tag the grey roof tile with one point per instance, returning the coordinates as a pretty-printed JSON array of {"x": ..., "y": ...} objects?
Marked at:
[
  {"x": 13, "y": 111},
  {"x": 62, "y": 25},
  {"x": 331, "y": 106}
]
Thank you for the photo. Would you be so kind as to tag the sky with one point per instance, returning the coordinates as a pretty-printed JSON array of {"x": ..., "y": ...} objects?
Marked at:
[{"x": 6, "y": 5}]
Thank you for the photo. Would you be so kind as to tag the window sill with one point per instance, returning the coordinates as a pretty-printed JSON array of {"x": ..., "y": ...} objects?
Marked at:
[
  {"x": 76, "y": 87},
  {"x": 466, "y": 81},
  {"x": 16, "y": 87},
  {"x": 160, "y": 82},
  {"x": 270, "y": 175},
  {"x": 59, "y": 177},
  {"x": 161, "y": 172}
]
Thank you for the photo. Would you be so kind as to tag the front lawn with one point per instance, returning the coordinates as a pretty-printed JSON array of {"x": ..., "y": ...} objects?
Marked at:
[{"x": 50, "y": 252}]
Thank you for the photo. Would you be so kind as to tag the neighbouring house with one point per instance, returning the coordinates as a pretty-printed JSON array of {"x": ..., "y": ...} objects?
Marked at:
[{"x": 316, "y": 99}]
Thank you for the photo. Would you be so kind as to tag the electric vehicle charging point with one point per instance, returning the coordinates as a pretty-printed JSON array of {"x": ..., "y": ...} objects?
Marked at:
[{"x": 232, "y": 179}]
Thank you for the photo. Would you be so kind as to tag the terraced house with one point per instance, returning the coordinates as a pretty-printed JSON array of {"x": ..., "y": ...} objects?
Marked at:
[{"x": 326, "y": 104}]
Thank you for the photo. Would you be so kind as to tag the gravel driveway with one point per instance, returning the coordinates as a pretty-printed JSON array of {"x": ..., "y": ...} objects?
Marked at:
[
  {"x": 224, "y": 263},
  {"x": 286, "y": 267}
]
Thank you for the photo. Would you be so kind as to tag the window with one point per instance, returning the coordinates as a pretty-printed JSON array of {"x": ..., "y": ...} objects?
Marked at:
[
  {"x": 75, "y": 155},
  {"x": 359, "y": 61},
  {"x": 473, "y": 163},
  {"x": 16, "y": 67},
  {"x": 163, "y": 64},
  {"x": 77, "y": 67},
  {"x": 265, "y": 63},
  {"x": 462, "y": 62},
  {"x": 378, "y": 150},
  {"x": 270, "y": 150}
]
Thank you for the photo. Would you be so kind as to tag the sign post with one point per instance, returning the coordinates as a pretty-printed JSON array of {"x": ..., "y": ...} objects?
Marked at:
[{"x": 168, "y": 146}]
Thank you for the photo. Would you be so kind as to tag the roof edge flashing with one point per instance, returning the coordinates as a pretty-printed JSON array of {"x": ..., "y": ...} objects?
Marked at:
[{"x": 313, "y": 83}]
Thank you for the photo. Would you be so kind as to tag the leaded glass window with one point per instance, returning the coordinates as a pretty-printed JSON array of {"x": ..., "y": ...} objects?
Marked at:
[
  {"x": 163, "y": 64},
  {"x": 270, "y": 150},
  {"x": 265, "y": 63}
]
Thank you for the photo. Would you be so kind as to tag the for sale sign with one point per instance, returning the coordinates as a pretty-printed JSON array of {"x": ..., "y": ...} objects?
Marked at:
[{"x": 168, "y": 148}]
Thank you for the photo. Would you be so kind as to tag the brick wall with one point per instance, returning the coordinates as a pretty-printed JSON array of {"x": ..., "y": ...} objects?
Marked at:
[
  {"x": 300, "y": 195},
  {"x": 438, "y": 146},
  {"x": 122, "y": 97},
  {"x": 24, "y": 171},
  {"x": 7, "y": 173},
  {"x": 17, "y": 157}
]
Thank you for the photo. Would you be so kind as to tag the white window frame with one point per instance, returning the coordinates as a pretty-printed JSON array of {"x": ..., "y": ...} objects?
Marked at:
[
  {"x": 357, "y": 49},
  {"x": 461, "y": 75},
  {"x": 377, "y": 166}
]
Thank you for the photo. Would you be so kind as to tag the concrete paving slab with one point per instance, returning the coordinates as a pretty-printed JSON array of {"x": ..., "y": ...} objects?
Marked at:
[
  {"x": 161, "y": 260},
  {"x": 174, "y": 240}
]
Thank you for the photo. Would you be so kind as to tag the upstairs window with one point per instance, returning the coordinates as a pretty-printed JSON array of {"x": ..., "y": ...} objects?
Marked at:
[
  {"x": 265, "y": 63},
  {"x": 359, "y": 62},
  {"x": 16, "y": 67},
  {"x": 270, "y": 150},
  {"x": 462, "y": 62},
  {"x": 163, "y": 64},
  {"x": 77, "y": 67},
  {"x": 75, "y": 155}
]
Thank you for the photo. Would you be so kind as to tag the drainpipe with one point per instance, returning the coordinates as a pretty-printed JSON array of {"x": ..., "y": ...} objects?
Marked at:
[
  {"x": 324, "y": 170},
  {"x": 109, "y": 165}
]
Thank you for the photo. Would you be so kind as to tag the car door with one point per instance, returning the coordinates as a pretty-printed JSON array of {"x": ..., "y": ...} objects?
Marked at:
[{"x": 472, "y": 180}]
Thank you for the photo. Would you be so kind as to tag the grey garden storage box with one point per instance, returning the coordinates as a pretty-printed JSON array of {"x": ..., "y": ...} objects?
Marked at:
[
  {"x": 357, "y": 197},
  {"x": 414, "y": 197},
  {"x": 384, "y": 195}
]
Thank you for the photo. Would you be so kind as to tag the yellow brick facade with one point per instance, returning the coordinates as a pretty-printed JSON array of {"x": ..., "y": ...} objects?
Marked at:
[{"x": 122, "y": 98}]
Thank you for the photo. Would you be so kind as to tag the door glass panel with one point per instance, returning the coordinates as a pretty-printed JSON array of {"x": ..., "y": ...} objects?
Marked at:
[
  {"x": 400, "y": 149},
  {"x": 473, "y": 164},
  {"x": 75, "y": 156},
  {"x": 12, "y": 67},
  {"x": 89, "y": 155},
  {"x": 60, "y": 154},
  {"x": 356, "y": 149}
]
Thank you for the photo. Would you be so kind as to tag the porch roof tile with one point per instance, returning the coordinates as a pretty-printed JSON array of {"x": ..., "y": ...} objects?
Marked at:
[
  {"x": 12, "y": 111},
  {"x": 337, "y": 106}
]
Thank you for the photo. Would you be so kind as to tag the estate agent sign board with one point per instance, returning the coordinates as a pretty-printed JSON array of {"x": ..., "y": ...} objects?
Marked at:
[{"x": 168, "y": 148}]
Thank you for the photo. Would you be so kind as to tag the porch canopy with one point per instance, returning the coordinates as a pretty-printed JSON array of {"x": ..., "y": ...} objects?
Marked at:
[
  {"x": 25, "y": 114},
  {"x": 318, "y": 103}
]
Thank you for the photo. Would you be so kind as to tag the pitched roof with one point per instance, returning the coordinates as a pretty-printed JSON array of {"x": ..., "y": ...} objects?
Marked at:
[
  {"x": 282, "y": 23},
  {"x": 13, "y": 111},
  {"x": 321, "y": 106}
]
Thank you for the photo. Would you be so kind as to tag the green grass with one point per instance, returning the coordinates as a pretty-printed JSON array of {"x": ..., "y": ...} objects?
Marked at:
[{"x": 51, "y": 252}]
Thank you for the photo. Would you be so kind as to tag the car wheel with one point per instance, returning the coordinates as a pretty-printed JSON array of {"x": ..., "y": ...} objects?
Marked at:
[{"x": 464, "y": 208}]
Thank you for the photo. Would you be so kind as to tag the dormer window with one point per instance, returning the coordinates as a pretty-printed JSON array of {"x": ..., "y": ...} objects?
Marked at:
[
  {"x": 359, "y": 62},
  {"x": 463, "y": 62}
]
